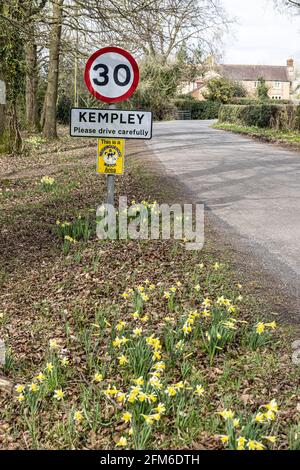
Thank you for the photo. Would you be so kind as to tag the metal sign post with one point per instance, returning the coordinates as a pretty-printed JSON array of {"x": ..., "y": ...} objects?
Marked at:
[{"x": 111, "y": 180}]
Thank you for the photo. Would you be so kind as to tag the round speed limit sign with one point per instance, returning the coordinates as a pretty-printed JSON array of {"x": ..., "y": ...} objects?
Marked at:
[{"x": 111, "y": 74}]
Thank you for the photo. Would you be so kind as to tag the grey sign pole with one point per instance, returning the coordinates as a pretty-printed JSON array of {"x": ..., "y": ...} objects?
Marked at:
[{"x": 111, "y": 179}]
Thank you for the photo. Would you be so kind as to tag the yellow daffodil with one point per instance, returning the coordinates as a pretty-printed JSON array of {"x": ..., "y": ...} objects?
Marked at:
[
  {"x": 221, "y": 300},
  {"x": 20, "y": 398},
  {"x": 260, "y": 328},
  {"x": 156, "y": 416},
  {"x": 117, "y": 343},
  {"x": 199, "y": 391},
  {"x": 179, "y": 385},
  {"x": 123, "y": 360},
  {"x": 206, "y": 313},
  {"x": 49, "y": 367},
  {"x": 122, "y": 442},
  {"x": 135, "y": 315},
  {"x": 142, "y": 397},
  {"x": 20, "y": 388},
  {"x": 241, "y": 442},
  {"x": 33, "y": 387},
  {"x": 271, "y": 439},
  {"x": 127, "y": 417},
  {"x": 140, "y": 381},
  {"x": 236, "y": 423},
  {"x": 120, "y": 326},
  {"x": 206, "y": 302},
  {"x": 167, "y": 295},
  {"x": 187, "y": 329},
  {"x": 152, "y": 398},
  {"x": 224, "y": 439},
  {"x": 171, "y": 391},
  {"x": 180, "y": 345},
  {"x": 156, "y": 383},
  {"x": 272, "y": 325},
  {"x": 227, "y": 414},
  {"x": 161, "y": 409},
  {"x": 272, "y": 406},
  {"x": 217, "y": 266},
  {"x": 64, "y": 361},
  {"x": 137, "y": 332},
  {"x": 255, "y": 445},
  {"x": 270, "y": 415},
  {"x": 78, "y": 417},
  {"x": 260, "y": 418},
  {"x": 40, "y": 377},
  {"x": 98, "y": 377},
  {"x": 121, "y": 397},
  {"x": 53, "y": 344},
  {"x": 145, "y": 297},
  {"x": 59, "y": 394},
  {"x": 197, "y": 287},
  {"x": 148, "y": 419}
]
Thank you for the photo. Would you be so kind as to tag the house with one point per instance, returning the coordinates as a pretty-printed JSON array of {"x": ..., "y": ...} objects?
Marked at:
[{"x": 282, "y": 81}]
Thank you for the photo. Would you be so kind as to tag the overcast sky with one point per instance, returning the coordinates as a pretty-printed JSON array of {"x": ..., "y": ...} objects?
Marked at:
[{"x": 262, "y": 35}]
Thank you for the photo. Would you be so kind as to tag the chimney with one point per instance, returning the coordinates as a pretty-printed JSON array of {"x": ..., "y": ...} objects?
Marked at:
[{"x": 290, "y": 63}]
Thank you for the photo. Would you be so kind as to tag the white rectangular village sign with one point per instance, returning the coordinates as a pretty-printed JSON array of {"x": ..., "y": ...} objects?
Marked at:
[{"x": 101, "y": 123}]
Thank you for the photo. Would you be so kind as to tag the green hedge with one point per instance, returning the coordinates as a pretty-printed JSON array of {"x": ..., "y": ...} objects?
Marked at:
[
  {"x": 246, "y": 101},
  {"x": 198, "y": 109},
  {"x": 263, "y": 115}
]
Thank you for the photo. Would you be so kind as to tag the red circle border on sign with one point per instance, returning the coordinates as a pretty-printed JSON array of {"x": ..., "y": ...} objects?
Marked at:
[{"x": 136, "y": 74}]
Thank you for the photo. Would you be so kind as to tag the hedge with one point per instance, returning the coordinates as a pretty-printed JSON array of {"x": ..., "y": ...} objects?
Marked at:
[
  {"x": 254, "y": 101},
  {"x": 199, "y": 109},
  {"x": 263, "y": 115}
]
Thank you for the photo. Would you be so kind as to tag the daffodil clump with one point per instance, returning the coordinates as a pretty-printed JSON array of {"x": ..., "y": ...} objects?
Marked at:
[
  {"x": 261, "y": 334},
  {"x": 250, "y": 433},
  {"x": 81, "y": 228},
  {"x": 47, "y": 383},
  {"x": 138, "y": 373},
  {"x": 47, "y": 183}
]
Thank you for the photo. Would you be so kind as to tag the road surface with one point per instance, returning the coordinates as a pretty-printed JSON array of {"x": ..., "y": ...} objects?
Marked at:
[{"x": 252, "y": 189}]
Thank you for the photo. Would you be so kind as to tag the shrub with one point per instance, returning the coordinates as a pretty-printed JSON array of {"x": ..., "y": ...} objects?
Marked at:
[
  {"x": 220, "y": 89},
  {"x": 262, "y": 115},
  {"x": 199, "y": 109},
  {"x": 262, "y": 90}
]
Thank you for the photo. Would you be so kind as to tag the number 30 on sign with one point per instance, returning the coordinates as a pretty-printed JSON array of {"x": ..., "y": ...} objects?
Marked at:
[
  {"x": 111, "y": 74},
  {"x": 110, "y": 159}
]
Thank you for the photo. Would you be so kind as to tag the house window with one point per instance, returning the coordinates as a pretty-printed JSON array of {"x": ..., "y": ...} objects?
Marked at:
[
  {"x": 277, "y": 97},
  {"x": 256, "y": 84},
  {"x": 277, "y": 84}
]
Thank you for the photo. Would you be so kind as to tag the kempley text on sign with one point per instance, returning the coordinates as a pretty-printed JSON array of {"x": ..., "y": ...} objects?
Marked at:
[{"x": 110, "y": 123}]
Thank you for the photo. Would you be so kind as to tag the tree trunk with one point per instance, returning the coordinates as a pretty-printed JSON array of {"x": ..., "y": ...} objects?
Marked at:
[
  {"x": 49, "y": 118},
  {"x": 3, "y": 130},
  {"x": 32, "y": 116}
]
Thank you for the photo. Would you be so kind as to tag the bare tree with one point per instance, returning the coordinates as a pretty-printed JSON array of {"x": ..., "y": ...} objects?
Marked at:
[{"x": 162, "y": 26}]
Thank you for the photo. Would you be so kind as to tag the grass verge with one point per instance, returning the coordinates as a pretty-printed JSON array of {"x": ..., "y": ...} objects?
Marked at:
[
  {"x": 130, "y": 344},
  {"x": 289, "y": 138}
]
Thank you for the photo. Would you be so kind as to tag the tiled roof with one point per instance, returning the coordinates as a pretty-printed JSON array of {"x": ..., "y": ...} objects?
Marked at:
[{"x": 253, "y": 72}]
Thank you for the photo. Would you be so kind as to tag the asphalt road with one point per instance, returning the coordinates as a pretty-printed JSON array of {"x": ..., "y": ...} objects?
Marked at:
[{"x": 252, "y": 189}]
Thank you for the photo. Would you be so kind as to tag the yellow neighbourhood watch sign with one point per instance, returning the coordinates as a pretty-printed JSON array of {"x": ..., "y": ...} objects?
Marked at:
[{"x": 110, "y": 160}]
